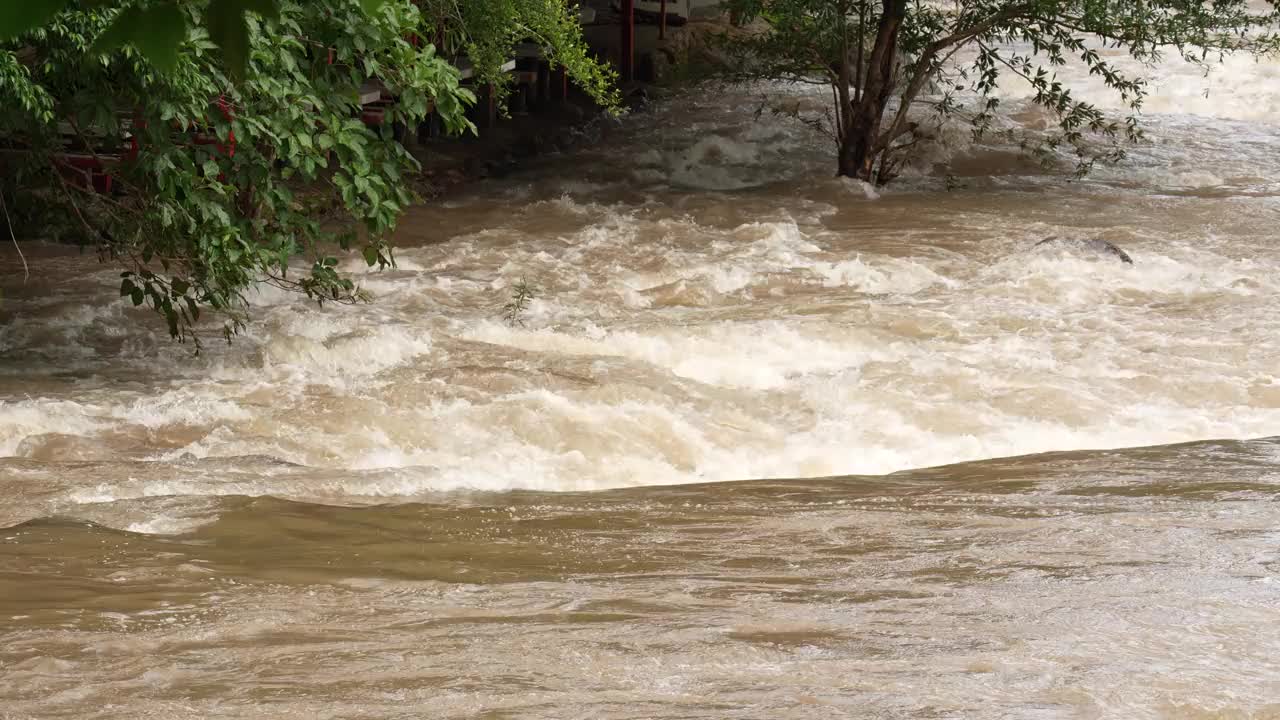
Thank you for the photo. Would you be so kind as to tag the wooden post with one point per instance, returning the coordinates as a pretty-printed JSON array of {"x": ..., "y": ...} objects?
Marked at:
[
  {"x": 628, "y": 60},
  {"x": 559, "y": 84},
  {"x": 544, "y": 84},
  {"x": 662, "y": 20}
]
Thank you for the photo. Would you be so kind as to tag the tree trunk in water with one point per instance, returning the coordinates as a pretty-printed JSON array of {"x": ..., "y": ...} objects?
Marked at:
[{"x": 860, "y": 145}]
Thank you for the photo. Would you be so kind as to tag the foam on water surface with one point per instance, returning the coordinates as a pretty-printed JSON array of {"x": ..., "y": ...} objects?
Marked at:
[
  {"x": 746, "y": 316},
  {"x": 376, "y": 510}
]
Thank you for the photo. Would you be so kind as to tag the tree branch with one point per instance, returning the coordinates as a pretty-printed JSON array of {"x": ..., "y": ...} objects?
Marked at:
[
  {"x": 928, "y": 64},
  {"x": 26, "y": 271}
]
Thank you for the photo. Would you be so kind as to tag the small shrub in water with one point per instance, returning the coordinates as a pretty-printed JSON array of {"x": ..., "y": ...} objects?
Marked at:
[{"x": 521, "y": 295}]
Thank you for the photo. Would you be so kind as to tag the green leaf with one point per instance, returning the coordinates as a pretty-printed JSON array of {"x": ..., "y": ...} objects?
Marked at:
[
  {"x": 371, "y": 255},
  {"x": 119, "y": 32},
  {"x": 227, "y": 27},
  {"x": 225, "y": 20},
  {"x": 269, "y": 9},
  {"x": 159, "y": 33},
  {"x": 19, "y": 16},
  {"x": 136, "y": 295},
  {"x": 371, "y": 6}
]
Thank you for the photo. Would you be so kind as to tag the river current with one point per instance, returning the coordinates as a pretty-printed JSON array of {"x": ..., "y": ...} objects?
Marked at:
[{"x": 764, "y": 444}]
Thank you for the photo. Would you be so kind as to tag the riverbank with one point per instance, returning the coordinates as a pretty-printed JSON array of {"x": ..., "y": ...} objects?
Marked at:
[
  {"x": 450, "y": 163},
  {"x": 684, "y": 57}
]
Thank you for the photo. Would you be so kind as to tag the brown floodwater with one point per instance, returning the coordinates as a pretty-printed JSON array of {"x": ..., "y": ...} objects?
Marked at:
[{"x": 764, "y": 444}]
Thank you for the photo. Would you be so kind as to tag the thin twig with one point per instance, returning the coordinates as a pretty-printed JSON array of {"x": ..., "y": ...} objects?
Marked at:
[
  {"x": 89, "y": 228},
  {"x": 26, "y": 271}
]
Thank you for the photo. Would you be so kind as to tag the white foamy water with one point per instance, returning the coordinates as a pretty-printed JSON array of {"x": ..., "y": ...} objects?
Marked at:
[
  {"x": 735, "y": 314},
  {"x": 304, "y": 523}
]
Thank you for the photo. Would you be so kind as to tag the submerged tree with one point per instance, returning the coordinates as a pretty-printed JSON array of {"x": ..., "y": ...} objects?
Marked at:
[
  {"x": 873, "y": 52},
  {"x": 194, "y": 142}
]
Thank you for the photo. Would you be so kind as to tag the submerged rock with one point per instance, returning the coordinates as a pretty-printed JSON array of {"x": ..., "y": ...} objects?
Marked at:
[{"x": 1092, "y": 244}]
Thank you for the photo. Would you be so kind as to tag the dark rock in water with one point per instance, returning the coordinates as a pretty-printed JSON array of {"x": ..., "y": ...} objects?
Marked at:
[
  {"x": 1092, "y": 244},
  {"x": 501, "y": 166},
  {"x": 638, "y": 99}
]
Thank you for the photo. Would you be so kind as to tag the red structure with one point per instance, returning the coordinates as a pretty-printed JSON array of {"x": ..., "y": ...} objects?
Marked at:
[
  {"x": 228, "y": 113},
  {"x": 88, "y": 165},
  {"x": 628, "y": 59}
]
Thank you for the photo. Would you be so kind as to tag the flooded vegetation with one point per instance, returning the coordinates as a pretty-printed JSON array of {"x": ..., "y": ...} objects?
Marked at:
[{"x": 681, "y": 426}]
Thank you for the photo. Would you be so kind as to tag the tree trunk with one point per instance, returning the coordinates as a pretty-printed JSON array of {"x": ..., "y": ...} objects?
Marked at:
[{"x": 859, "y": 146}]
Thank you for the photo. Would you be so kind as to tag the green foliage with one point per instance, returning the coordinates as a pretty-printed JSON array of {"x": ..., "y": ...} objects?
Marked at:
[
  {"x": 487, "y": 32},
  {"x": 157, "y": 29},
  {"x": 522, "y": 294},
  {"x": 208, "y": 205},
  {"x": 218, "y": 121},
  {"x": 19, "y": 17},
  {"x": 835, "y": 42}
]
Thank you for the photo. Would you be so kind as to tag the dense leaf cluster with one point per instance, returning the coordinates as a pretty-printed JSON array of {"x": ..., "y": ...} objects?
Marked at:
[
  {"x": 217, "y": 170},
  {"x": 488, "y": 31},
  {"x": 205, "y": 171}
]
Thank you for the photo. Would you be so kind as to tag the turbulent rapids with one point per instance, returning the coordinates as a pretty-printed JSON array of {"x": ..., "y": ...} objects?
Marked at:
[{"x": 306, "y": 521}]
